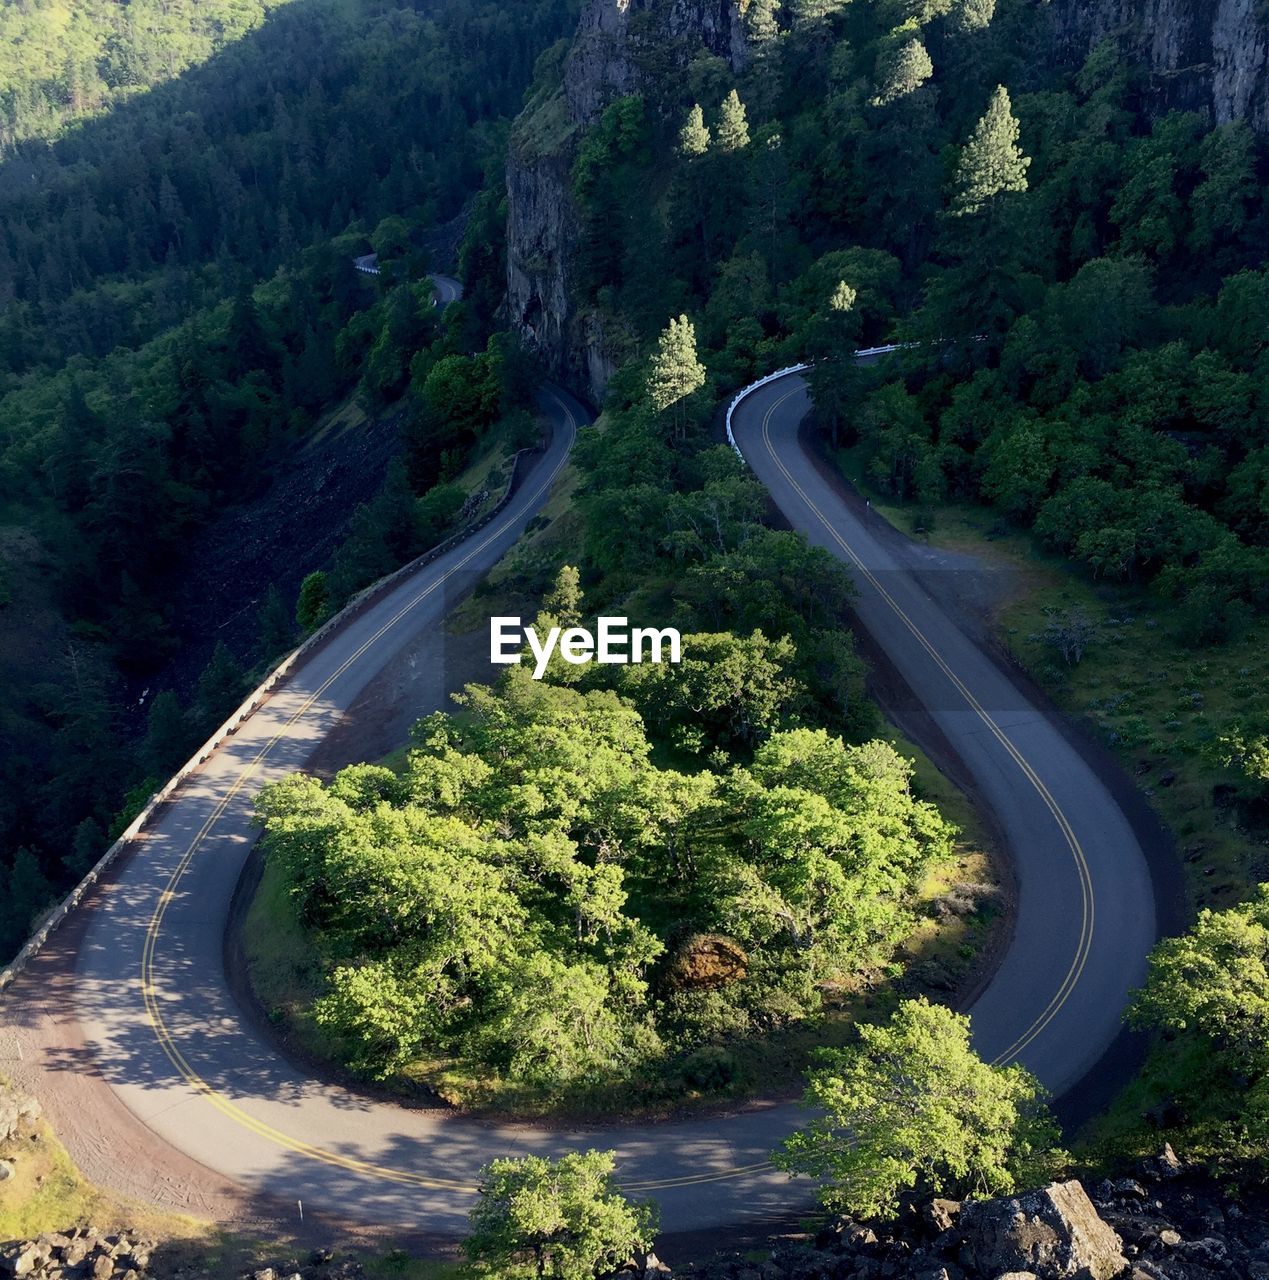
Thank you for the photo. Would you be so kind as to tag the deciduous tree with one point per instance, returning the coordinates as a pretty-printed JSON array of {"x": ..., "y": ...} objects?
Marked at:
[
  {"x": 911, "y": 1106},
  {"x": 564, "y": 1219}
]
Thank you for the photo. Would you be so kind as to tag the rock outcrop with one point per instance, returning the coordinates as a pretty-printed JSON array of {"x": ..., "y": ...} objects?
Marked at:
[
  {"x": 84, "y": 1253},
  {"x": 16, "y": 1109},
  {"x": 1054, "y": 1231},
  {"x": 1171, "y": 1222},
  {"x": 1207, "y": 55},
  {"x": 78, "y": 1253},
  {"x": 622, "y": 47}
]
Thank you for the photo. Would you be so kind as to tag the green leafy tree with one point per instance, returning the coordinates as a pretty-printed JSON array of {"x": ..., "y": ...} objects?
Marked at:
[
  {"x": 732, "y": 133},
  {"x": 314, "y": 604},
  {"x": 992, "y": 163},
  {"x": 728, "y": 692},
  {"x": 911, "y": 1106},
  {"x": 559, "y": 1219},
  {"x": 437, "y": 510},
  {"x": 694, "y": 137},
  {"x": 1215, "y": 980}
]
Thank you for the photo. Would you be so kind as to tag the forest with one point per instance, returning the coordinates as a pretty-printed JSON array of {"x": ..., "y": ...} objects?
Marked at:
[
  {"x": 1086, "y": 284},
  {"x": 619, "y": 875},
  {"x": 1078, "y": 272},
  {"x": 180, "y": 308}
]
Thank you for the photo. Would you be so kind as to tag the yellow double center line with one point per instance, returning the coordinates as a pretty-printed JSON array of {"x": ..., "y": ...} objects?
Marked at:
[
  {"x": 1087, "y": 902},
  {"x": 406, "y": 1176},
  {"x": 149, "y": 985}
]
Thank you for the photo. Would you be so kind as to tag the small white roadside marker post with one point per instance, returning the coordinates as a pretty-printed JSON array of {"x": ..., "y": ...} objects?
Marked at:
[{"x": 301, "y": 1205}]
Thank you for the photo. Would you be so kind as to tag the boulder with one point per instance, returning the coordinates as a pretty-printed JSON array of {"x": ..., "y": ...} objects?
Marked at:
[
  {"x": 23, "y": 1259},
  {"x": 6, "y": 1170},
  {"x": 76, "y": 1251},
  {"x": 655, "y": 1269},
  {"x": 941, "y": 1215},
  {"x": 15, "y": 1108},
  {"x": 1054, "y": 1232}
]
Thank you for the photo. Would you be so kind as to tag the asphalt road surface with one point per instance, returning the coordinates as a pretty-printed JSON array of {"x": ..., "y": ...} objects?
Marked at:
[
  {"x": 1086, "y": 917},
  {"x": 161, "y": 1029}
]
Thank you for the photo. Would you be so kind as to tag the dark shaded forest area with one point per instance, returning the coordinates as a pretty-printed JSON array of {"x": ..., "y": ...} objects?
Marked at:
[{"x": 179, "y": 306}]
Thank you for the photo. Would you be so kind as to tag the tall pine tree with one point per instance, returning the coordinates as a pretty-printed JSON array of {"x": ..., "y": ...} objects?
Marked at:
[
  {"x": 675, "y": 373},
  {"x": 694, "y": 136},
  {"x": 733, "y": 126},
  {"x": 992, "y": 164}
]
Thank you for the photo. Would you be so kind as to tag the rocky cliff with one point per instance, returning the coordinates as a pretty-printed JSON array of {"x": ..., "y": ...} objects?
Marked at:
[
  {"x": 1207, "y": 55},
  {"x": 622, "y": 47}
]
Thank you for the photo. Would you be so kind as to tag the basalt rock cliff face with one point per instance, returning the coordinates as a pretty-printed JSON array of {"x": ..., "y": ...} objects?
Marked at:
[
  {"x": 1204, "y": 55},
  {"x": 622, "y": 47}
]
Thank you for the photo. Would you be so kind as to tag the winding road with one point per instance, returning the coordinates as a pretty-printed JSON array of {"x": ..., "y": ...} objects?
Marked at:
[{"x": 155, "y": 1027}]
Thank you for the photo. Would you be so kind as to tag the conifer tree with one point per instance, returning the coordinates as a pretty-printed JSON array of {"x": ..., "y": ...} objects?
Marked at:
[
  {"x": 166, "y": 741},
  {"x": 564, "y": 600},
  {"x": 973, "y": 15},
  {"x": 811, "y": 14},
  {"x": 901, "y": 71},
  {"x": 761, "y": 23},
  {"x": 276, "y": 623},
  {"x": 733, "y": 126},
  {"x": 676, "y": 372},
  {"x": 314, "y": 604},
  {"x": 694, "y": 136},
  {"x": 992, "y": 164}
]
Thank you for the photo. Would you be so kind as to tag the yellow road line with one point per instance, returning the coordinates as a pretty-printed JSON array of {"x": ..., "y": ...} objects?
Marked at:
[
  {"x": 409, "y": 1177},
  {"x": 149, "y": 986},
  {"x": 1088, "y": 904}
]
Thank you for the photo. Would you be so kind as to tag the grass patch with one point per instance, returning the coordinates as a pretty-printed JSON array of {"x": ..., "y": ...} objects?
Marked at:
[
  {"x": 48, "y": 1193},
  {"x": 397, "y": 1264}
]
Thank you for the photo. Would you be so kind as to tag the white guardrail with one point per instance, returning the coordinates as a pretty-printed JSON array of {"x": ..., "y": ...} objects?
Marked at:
[
  {"x": 235, "y": 721},
  {"x": 797, "y": 368}
]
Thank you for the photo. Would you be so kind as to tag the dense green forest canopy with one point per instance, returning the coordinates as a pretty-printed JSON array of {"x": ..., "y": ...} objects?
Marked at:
[
  {"x": 178, "y": 308},
  {"x": 534, "y": 896},
  {"x": 62, "y": 60},
  {"x": 1087, "y": 277}
]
